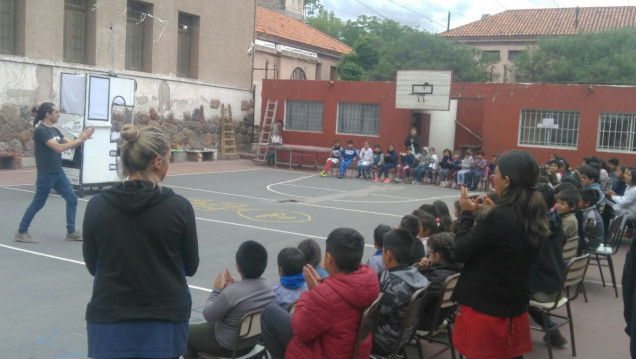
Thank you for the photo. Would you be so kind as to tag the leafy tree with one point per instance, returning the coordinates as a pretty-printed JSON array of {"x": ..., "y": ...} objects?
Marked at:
[
  {"x": 591, "y": 58},
  {"x": 381, "y": 47}
]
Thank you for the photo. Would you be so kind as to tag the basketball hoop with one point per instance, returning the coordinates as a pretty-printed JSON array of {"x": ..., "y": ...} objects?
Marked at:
[{"x": 421, "y": 90}]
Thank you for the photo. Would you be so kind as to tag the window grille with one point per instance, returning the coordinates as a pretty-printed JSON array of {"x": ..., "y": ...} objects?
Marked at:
[
  {"x": 75, "y": 31},
  {"x": 547, "y": 128},
  {"x": 359, "y": 118},
  {"x": 304, "y": 115},
  {"x": 298, "y": 74},
  {"x": 184, "y": 45},
  {"x": 616, "y": 132},
  {"x": 7, "y": 26},
  {"x": 135, "y": 36}
]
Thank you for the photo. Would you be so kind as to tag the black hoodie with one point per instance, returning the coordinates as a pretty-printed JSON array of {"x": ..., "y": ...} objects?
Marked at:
[{"x": 140, "y": 241}]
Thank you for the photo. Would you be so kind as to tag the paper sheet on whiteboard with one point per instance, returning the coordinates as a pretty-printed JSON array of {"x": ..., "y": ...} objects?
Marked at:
[
  {"x": 73, "y": 94},
  {"x": 98, "y": 99}
]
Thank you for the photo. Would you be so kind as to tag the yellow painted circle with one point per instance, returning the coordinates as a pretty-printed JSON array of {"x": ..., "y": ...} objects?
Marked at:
[{"x": 274, "y": 216}]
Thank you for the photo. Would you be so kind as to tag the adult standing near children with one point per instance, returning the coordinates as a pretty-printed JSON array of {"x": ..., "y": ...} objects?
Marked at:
[
  {"x": 412, "y": 140},
  {"x": 49, "y": 143},
  {"x": 140, "y": 242},
  {"x": 498, "y": 255}
]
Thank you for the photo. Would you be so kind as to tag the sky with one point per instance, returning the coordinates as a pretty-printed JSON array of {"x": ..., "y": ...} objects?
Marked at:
[{"x": 432, "y": 15}]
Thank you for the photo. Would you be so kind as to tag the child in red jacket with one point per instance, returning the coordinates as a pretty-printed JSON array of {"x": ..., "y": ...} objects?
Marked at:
[{"x": 327, "y": 316}]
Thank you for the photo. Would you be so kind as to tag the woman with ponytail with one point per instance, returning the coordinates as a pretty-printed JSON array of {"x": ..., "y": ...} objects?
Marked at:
[
  {"x": 140, "y": 243},
  {"x": 49, "y": 144},
  {"x": 498, "y": 255}
]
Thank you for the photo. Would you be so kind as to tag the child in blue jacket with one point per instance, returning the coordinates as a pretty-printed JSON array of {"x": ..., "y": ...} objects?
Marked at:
[
  {"x": 390, "y": 161},
  {"x": 347, "y": 156}
]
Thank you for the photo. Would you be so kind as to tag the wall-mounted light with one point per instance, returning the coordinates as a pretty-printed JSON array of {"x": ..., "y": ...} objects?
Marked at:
[
  {"x": 590, "y": 89},
  {"x": 331, "y": 83}
]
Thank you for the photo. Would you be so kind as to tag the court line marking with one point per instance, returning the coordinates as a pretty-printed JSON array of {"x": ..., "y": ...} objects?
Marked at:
[
  {"x": 341, "y": 191},
  {"x": 238, "y": 195},
  {"x": 213, "y": 172}
]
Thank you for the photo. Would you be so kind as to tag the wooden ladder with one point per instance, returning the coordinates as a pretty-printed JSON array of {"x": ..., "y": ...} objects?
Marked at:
[
  {"x": 266, "y": 128},
  {"x": 228, "y": 134}
]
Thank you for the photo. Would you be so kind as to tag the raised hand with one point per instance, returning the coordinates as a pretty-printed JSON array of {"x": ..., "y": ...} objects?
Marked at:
[{"x": 312, "y": 279}]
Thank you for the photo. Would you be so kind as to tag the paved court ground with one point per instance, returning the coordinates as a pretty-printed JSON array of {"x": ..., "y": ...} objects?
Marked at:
[{"x": 45, "y": 286}]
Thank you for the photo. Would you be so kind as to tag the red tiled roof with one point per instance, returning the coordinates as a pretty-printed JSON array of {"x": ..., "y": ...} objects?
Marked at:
[
  {"x": 537, "y": 22},
  {"x": 285, "y": 27}
]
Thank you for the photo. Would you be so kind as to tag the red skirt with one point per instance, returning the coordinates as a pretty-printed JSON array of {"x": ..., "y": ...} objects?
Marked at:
[{"x": 480, "y": 336}]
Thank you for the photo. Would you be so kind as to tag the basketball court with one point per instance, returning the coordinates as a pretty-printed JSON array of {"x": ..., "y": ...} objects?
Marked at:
[{"x": 46, "y": 286}]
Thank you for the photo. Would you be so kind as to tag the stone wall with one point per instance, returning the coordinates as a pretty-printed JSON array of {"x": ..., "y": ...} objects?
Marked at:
[{"x": 188, "y": 110}]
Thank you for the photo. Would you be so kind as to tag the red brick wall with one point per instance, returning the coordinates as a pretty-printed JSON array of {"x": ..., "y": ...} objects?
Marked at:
[
  {"x": 503, "y": 104},
  {"x": 394, "y": 123},
  {"x": 491, "y": 111}
]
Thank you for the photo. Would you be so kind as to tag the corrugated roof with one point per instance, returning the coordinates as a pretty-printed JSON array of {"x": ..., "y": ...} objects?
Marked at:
[
  {"x": 537, "y": 22},
  {"x": 285, "y": 27}
]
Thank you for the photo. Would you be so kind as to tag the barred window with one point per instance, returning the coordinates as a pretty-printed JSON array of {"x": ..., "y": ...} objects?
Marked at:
[
  {"x": 75, "y": 30},
  {"x": 298, "y": 74},
  {"x": 304, "y": 115},
  {"x": 136, "y": 28},
  {"x": 7, "y": 26},
  {"x": 359, "y": 118},
  {"x": 617, "y": 132},
  {"x": 547, "y": 128},
  {"x": 184, "y": 46}
]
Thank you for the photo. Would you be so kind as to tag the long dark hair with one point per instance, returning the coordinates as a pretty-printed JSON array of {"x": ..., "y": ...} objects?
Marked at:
[
  {"x": 40, "y": 111},
  {"x": 521, "y": 199}
]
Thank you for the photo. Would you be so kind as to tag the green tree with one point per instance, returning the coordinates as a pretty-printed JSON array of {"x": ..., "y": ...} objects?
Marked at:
[{"x": 591, "y": 58}]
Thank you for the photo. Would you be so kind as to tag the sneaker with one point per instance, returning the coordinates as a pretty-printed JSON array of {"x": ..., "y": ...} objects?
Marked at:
[
  {"x": 25, "y": 238},
  {"x": 75, "y": 236},
  {"x": 323, "y": 173},
  {"x": 377, "y": 179},
  {"x": 556, "y": 339},
  {"x": 340, "y": 176},
  {"x": 359, "y": 175},
  {"x": 386, "y": 180}
]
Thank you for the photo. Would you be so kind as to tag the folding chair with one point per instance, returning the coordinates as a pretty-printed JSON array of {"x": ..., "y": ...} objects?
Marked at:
[
  {"x": 606, "y": 250},
  {"x": 250, "y": 328},
  {"x": 570, "y": 249},
  {"x": 574, "y": 274},
  {"x": 412, "y": 318},
  {"x": 366, "y": 324},
  {"x": 430, "y": 334}
]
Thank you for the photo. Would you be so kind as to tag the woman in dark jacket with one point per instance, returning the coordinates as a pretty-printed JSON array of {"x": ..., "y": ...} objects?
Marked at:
[
  {"x": 140, "y": 241},
  {"x": 498, "y": 255},
  {"x": 412, "y": 140}
]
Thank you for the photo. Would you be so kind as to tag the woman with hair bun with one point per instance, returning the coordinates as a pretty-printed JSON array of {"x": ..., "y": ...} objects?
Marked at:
[
  {"x": 140, "y": 242},
  {"x": 498, "y": 255},
  {"x": 49, "y": 143}
]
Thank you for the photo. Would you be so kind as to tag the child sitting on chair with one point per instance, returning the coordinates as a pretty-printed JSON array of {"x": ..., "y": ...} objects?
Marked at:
[
  {"x": 348, "y": 155},
  {"x": 292, "y": 282},
  {"x": 378, "y": 158},
  {"x": 464, "y": 175},
  {"x": 334, "y": 157},
  {"x": 408, "y": 161},
  {"x": 327, "y": 316},
  {"x": 375, "y": 261},
  {"x": 390, "y": 161},
  {"x": 402, "y": 281},
  {"x": 479, "y": 168},
  {"x": 591, "y": 231},
  {"x": 423, "y": 167},
  {"x": 566, "y": 204},
  {"x": 440, "y": 264},
  {"x": 365, "y": 161},
  {"x": 229, "y": 301},
  {"x": 311, "y": 250}
]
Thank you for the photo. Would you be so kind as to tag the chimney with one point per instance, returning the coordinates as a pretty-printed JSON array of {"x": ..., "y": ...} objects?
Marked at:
[{"x": 576, "y": 18}]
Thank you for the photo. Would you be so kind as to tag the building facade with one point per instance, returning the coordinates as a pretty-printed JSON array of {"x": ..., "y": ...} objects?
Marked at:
[
  {"x": 508, "y": 34},
  {"x": 187, "y": 56},
  {"x": 573, "y": 121}
]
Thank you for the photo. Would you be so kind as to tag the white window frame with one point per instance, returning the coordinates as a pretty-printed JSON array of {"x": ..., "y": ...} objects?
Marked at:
[
  {"x": 338, "y": 119},
  {"x": 569, "y": 118},
  {"x": 629, "y": 122},
  {"x": 286, "y": 122}
]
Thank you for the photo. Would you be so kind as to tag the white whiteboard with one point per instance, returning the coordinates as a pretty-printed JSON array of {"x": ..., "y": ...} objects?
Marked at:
[{"x": 436, "y": 81}]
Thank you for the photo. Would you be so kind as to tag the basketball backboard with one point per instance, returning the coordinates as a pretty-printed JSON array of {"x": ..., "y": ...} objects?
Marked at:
[{"x": 423, "y": 89}]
